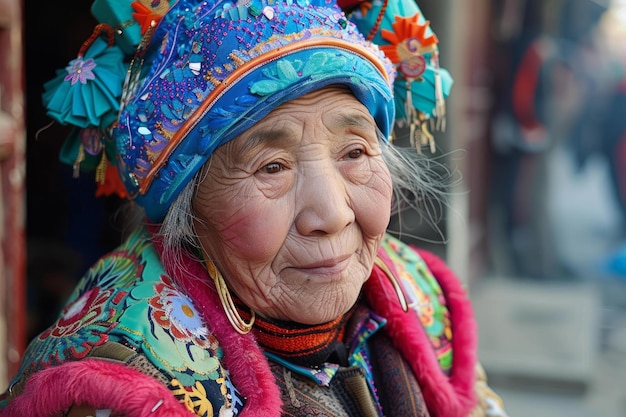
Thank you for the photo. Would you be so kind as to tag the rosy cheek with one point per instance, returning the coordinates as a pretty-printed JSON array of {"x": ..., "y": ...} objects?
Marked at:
[{"x": 256, "y": 235}]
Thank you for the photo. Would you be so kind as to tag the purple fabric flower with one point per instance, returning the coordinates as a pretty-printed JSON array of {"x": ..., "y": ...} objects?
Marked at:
[{"x": 79, "y": 70}]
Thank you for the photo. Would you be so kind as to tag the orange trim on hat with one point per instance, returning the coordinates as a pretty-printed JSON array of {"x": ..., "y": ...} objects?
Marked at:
[{"x": 231, "y": 79}]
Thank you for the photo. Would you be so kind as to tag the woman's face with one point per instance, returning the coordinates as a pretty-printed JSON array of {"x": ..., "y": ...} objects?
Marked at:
[{"x": 293, "y": 210}]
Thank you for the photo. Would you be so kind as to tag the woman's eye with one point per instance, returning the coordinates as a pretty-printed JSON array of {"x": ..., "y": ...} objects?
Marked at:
[
  {"x": 272, "y": 168},
  {"x": 354, "y": 154}
]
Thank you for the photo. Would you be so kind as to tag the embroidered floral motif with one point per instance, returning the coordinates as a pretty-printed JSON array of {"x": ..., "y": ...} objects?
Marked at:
[
  {"x": 175, "y": 312},
  {"x": 119, "y": 269},
  {"x": 87, "y": 309},
  {"x": 83, "y": 325},
  {"x": 80, "y": 70},
  {"x": 286, "y": 72},
  {"x": 92, "y": 312},
  {"x": 193, "y": 398}
]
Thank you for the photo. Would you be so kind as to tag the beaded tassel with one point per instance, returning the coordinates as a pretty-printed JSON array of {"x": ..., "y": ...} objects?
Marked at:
[
  {"x": 101, "y": 169},
  {"x": 79, "y": 158},
  {"x": 440, "y": 103}
]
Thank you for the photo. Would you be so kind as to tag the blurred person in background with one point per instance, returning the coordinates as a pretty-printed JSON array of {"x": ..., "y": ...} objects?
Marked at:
[{"x": 556, "y": 136}]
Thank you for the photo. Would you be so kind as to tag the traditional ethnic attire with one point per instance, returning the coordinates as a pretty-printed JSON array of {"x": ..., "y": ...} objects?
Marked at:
[
  {"x": 145, "y": 335},
  {"x": 140, "y": 340}
]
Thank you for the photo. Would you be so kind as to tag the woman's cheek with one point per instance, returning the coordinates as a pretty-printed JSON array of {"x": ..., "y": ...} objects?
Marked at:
[
  {"x": 372, "y": 201},
  {"x": 256, "y": 232}
]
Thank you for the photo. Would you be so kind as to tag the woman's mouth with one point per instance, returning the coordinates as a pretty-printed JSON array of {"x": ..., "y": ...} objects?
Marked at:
[{"x": 332, "y": 267}]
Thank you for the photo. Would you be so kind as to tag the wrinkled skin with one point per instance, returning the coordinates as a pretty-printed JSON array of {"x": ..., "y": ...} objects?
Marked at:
[{"x": 293, "y": 210}]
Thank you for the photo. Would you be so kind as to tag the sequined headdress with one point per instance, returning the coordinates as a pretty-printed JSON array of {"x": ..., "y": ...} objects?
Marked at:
[{"x": 160, "y": 86}]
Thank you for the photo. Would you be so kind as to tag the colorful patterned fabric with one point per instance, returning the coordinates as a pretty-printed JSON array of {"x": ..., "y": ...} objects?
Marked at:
[
  {"x": 363, "y": 324},
  {"x": 366, "y": 324},
  {"x": 425, "y": 297},
  {"x": 346, "y": 396},
  {"x": 127, "y": 299}
]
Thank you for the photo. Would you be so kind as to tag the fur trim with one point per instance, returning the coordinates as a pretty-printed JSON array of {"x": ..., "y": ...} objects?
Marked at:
[
  {"x": 445, "y": 396},
  {"x": 98, "y": 383},
  {"x": 243, "y": 358}
]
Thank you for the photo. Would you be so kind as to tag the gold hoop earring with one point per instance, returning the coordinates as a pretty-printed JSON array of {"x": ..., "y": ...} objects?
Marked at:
[
  {"x": 394, "y": 282},
  {"x": 235, "y": 319}
]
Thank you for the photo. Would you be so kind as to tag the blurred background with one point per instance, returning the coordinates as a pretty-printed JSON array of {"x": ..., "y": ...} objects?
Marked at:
[{"x": 536, "y": 226}]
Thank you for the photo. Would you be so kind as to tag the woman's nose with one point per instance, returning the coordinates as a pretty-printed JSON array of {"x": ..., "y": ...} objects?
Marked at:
[{"x": 324, "y": 204}]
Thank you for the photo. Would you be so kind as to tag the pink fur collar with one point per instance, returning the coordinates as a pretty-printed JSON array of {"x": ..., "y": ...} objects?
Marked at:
[
  {"x": 247, "y": 366},
  {"x": 99, "y": 383},
  {"x": 445, "y": 396}
]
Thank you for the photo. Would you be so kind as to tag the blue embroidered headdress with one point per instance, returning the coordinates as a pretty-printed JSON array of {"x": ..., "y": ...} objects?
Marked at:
[{"x": 202, "y": 73}]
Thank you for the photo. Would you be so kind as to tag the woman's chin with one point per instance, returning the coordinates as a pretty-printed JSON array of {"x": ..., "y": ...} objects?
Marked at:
[{"x": 323, "y": 313}]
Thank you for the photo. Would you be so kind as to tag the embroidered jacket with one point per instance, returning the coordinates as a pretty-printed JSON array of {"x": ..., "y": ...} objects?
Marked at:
[{"x": 135, "y": 340}]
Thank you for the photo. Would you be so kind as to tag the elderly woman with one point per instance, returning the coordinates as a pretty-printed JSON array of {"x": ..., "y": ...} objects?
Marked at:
[{"x": 263, "y": 283}]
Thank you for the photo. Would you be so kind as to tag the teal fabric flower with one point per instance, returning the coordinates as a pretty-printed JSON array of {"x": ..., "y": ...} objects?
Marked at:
[{"x": 87, "y": 92}]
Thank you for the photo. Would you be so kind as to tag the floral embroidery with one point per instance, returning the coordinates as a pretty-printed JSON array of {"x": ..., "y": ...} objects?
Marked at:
[
  {"x": 286, "y": 72},
  {"x": 126, "y": 298},
  {"x": 87, "y": 309},
  {"x": 193, "y": 398},
  {"x": 175, "y": 312},
  {"x": 83, "y": 325},
  {"x": 119, "y": 269}
]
